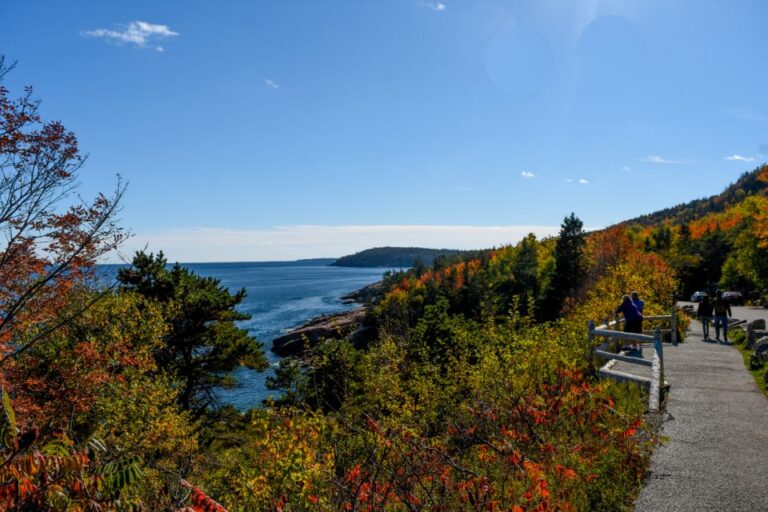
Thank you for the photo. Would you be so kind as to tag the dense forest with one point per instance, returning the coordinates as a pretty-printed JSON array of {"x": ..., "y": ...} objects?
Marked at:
[
  {"x": 748, "y": 184},
  {"x": 475, "y": 393},
  {"x": 395, "y": 257},
  {"x": 717, "y": 242}
]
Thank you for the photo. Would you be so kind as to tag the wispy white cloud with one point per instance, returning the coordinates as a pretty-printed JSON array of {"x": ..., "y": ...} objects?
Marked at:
[
  {"x": 583, "y": 181},
  {"x": 568, "y": 180},
  {"x": 739, "y": 158},
  {"x": 527, "y": 174},
  {"x": 435, "y": 6},
  {"x": 140, "y": 34},
  {"x": 294, "y": 242},
  {"x": 626, "y": 168},
  {"x": 271, "y": 84},
  {"x": 656, "y": 159}
]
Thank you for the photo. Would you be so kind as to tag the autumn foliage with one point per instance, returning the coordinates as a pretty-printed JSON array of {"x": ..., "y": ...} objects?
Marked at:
[
  {"x": 465, "y": 398},
  {"x": 503, "y": 416},
  {"x": 74, "y": 357}
]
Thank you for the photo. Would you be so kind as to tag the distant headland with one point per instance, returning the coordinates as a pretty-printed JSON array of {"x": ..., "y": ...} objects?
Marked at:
[{"x": 395, "y": 257}]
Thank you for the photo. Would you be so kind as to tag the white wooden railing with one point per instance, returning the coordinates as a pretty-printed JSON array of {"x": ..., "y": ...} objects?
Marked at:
[{"x": 609, "y": 350}]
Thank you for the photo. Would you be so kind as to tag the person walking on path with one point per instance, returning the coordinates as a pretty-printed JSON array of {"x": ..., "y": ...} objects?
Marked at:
[
  {"x": 633, "y": 319},
  {"x": 722, "y": 313},
  {"x": 704, "y": 314}
]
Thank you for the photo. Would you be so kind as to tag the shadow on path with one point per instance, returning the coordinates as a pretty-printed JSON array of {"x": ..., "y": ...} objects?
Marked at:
[{"x": 716, "y": 341}]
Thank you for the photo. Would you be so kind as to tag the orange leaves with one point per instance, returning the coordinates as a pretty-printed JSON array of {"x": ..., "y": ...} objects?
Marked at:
[
  {"x": 632, "y": 429},
  {"x": 542, "y": 487},
  {"x": 371, "y": 424},
  {"x": 449, "y": 281},
  {"x": 732, "y": 217},
  {"x": 201, "y": 502},
  {"x": 524, "y": 454},
  {"x": 565, "y": 472},
  {"x": 515, "y": 458},
  {"x": 49, "y": 248},
  {"x": 629, "y": 432},
  {"x": 40, "y": 474},
  {"x": 534, "y": 470},
  {"x": 760, "y": 225},
  {"x": 354, "y": 474},
  {"x": 762, "y": 175},
  {"x": 608, "y": 247}
]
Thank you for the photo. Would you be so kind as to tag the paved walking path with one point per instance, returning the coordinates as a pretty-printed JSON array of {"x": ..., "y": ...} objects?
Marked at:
[{"x": 717, "y": 424}]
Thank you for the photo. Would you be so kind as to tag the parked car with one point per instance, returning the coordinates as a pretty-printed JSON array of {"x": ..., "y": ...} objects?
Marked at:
[
  {"x": 698, "y": 296},
  {"x": 735, "y": 298}
]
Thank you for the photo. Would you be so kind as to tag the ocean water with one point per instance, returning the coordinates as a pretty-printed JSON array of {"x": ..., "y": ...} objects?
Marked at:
[{"x": 280, "y": 296}]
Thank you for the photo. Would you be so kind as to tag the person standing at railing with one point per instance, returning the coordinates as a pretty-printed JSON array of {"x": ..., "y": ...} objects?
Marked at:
[
  {"x": 639, "y": 304},
  {"x": 704, "y": 314},
  {"x": 722, "y": 313},
  {"x": 633, "y": 318}
]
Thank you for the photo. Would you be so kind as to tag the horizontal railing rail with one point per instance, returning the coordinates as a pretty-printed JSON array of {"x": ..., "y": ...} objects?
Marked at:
[{"x": 610, "y": 331}]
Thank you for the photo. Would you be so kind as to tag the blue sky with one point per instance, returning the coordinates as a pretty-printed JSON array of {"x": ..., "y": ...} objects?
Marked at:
[{"x": 257, "y": 130}]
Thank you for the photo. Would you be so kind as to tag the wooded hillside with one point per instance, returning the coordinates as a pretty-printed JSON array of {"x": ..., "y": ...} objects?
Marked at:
[{"x": 395, "y": 257}]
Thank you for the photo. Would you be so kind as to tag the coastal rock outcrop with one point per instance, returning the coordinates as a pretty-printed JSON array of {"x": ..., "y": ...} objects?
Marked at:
[
  {"x": 363, "y": 295},
  {"x": 348, "y": 324}
]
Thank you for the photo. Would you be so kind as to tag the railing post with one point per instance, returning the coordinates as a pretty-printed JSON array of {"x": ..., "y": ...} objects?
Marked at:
[
  {"x": 612, "y": 341},
  {"x": 659, "y": 347},
  {"x": 616, "y": 328},
  {"x": 673, "y": 334},
  {"x": 657, "y": 376}
]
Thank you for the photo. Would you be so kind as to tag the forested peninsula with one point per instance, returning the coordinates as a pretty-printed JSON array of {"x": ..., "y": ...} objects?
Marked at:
[
  {"x": 396, "y": 257},
  {"x": 472, "y": 391}
]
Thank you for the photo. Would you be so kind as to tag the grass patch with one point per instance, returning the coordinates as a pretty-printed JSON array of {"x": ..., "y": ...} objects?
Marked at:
[{"x": 739, "y": 339}]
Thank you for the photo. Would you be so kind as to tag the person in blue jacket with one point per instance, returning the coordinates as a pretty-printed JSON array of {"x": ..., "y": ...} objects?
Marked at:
[
  {"x": 639, "y": 304},
  {"x": 633, "y": 318}
]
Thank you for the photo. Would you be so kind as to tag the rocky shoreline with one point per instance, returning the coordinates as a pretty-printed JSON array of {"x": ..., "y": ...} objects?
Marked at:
[{"x": 346, "y": 324}]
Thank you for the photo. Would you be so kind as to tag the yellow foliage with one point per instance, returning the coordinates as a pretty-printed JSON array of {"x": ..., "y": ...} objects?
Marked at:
[{"x": 284, "y": 464}]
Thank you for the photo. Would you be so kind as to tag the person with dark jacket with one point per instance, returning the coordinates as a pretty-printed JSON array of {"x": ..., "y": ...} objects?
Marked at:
[
  {"x": 704, "y": 314},
  {"x": 639, "y": 304},
  {"x": 722, "y": 313},
  {"x": 633, "y": 319}
]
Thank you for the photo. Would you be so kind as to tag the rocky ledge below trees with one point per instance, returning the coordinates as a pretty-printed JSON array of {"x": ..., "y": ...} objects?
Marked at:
[
  {"x": 363, "y": 295},
  {"x": 348, "y": 324}
]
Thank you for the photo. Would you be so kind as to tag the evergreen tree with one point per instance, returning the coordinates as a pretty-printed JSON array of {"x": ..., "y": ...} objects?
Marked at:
[
  {"x": 685, "y": 261},
  {"x": 203, "y": 344},
  {"x": 713, "y": 248},
  {"x": 525, "y": 269},
  {"x": 662, "y": 238},
  {"x": 684, "y": 238},
  {"x": 569, "y": 267}
]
